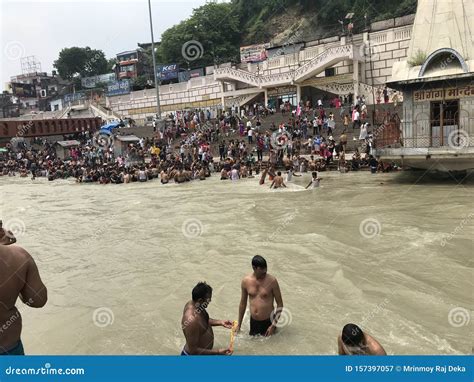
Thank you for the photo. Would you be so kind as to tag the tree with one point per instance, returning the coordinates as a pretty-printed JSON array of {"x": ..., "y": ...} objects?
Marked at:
[
  {"x": 82, "y": 62},
  {"x": 212, "y": 33}
]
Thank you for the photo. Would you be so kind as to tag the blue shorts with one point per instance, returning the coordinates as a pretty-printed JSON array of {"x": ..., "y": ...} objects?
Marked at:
[{"x": 15, "y": 350}]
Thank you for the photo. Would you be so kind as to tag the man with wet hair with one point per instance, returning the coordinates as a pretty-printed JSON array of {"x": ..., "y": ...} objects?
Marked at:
[
  {"x": 261, "y": 289},
  {"x": 353, "y": 341},
  {"x": 19, "y": 277},
  {"x": 197, "y": 326}
]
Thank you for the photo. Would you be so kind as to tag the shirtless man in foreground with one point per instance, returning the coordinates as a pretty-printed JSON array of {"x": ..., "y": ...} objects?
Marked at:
[
  {"x": 19, "y": 277},
  {"x": 197, "y": 326},
  {"x": 353, "y": 341},
  {"x": 261, "y": 289},
  {"x": 278, "y": 181}
]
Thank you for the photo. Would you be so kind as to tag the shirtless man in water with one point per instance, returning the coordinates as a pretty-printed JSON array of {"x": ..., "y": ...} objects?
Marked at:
[
  {"x": 197, "y": 326},
  {"x": 19, "y": 277},
  {"x": 261, "y": 289},
  {"x": 278, "y": 181}
]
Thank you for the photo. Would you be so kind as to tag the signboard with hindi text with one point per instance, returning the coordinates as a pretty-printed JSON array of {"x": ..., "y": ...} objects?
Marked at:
[
  {"x": 118, "y": 88},
  {"x": 443, "y": 94}
]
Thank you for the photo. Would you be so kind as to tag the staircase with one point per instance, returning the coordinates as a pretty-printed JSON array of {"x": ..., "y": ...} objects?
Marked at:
[
  {"x": 106, "y": 115},
  {"x": 240, "y": 101},
  {"x": 313, "y": 67}
]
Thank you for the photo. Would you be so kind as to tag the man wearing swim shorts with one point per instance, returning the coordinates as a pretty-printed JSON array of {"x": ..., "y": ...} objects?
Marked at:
[
  {"x": 261, "y": 289},
  {"x": 19, "y": 277},
  {"x": 197, "y": 326}
]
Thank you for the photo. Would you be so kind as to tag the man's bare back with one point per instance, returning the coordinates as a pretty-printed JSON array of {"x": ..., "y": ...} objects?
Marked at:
[{"x": 19, "y": 277}]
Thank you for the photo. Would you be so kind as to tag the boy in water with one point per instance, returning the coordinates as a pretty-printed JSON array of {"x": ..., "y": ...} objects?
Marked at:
[{"x": 314, "y": 181}]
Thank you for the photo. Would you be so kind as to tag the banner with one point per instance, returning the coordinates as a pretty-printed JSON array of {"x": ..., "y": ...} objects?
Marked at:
[
  {"x": 230, "y": 369},
  {"x": 74, "y": 97},
  {"x": 118, "y": 88},
  {"x": 186, "y": 75},
  {"x": 254, "y": 53},
  {"x": 91, "y": 82},
  {"x": 167, "y": 72}
]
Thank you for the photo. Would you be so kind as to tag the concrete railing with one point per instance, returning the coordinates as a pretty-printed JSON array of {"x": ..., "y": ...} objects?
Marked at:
[{"x": 313, "y": 67}]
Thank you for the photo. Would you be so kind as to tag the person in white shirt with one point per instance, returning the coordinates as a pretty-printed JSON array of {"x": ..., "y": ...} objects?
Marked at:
[
  {"x": 250, "y": 136},
  {"x": 314, "y": 181}
]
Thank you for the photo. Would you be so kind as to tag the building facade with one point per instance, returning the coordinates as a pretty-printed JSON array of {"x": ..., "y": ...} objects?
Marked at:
[
  {"x": 437, "y": 80},
  {"x": 320, "y": 69}
]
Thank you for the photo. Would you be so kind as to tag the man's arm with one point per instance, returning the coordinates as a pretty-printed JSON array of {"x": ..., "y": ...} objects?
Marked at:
[
  {"x": 308, "y": 185},
  {"x": 271, "y": 186},
  {"x": 243, "y": 303},
  {"x": 34, "y": 292},
  {"x": 279, "y": 301}
]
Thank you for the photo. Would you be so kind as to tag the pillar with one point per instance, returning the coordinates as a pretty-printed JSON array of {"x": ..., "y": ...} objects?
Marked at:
[
  {"x": 265, "y": 91},
  {"x": 298, "y": 94},
  {"x": 356, "y": 78},
  {"x": 222, "y": 95}
]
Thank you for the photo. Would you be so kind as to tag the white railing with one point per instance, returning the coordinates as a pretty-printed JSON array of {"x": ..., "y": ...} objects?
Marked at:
[{"x": 318, "y": 63}]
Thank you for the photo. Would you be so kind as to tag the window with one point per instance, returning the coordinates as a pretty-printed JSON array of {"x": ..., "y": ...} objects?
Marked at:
[
  {"x": 330, "y": 72},
  {"x": 444, "y": 120}
]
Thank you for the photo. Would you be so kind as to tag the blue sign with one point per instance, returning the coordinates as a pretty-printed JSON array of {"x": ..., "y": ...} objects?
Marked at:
[
  {"x": 167, "y": 72},
  {"x": 237, "y": 368},
  {"x": 74, "y": 97},
  {"x": 118, "y": 88}
]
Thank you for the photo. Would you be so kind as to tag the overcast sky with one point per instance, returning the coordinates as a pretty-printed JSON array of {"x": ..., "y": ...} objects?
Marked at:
[{"x": 42, "y": 28}]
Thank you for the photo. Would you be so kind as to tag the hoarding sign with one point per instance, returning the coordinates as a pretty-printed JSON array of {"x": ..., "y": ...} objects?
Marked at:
[
  {"x": 118, "y": 88},
  {"x": 254, "y": 53},
  {"x": 91, "y": 82},
  {"x": 74, "y": 97},
  {"x": 168, "y": 72}
]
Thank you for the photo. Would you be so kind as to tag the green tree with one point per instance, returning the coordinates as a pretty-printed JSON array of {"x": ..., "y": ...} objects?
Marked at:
[{"x": 82, "y": 62}]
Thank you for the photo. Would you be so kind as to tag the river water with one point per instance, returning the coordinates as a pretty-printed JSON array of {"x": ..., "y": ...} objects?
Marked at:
[{"x": 390, "y": 252}]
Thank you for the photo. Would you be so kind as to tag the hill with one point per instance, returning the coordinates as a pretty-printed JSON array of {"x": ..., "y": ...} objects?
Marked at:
[{"x": 216, "y": 30}]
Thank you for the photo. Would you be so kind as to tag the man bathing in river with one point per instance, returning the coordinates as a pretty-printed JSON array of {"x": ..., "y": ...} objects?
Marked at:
[
  {"x": 197, "y": 326},
  {"x": 261, "y": 289},
  {"x": 353, "y": 341},
  {"x": 278, "y": 181},
  {"x": 19, "y": 277}
]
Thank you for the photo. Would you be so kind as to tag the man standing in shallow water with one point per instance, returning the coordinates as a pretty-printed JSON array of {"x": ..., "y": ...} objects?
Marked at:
[
  {"x": 261, "y": 289},
  {"x": 19, "y": 277},
  {"x": 197, "y": 326}
]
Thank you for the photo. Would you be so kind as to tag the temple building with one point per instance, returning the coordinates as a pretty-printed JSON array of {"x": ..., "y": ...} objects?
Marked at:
[{"x": 437, "y": 81}]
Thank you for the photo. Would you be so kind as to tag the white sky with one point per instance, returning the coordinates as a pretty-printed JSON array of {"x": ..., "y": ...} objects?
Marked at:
[{"x": 42, "y": 28}]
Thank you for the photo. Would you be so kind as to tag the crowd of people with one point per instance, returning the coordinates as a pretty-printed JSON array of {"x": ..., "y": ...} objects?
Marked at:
[{"x": 194, "y": 146}]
